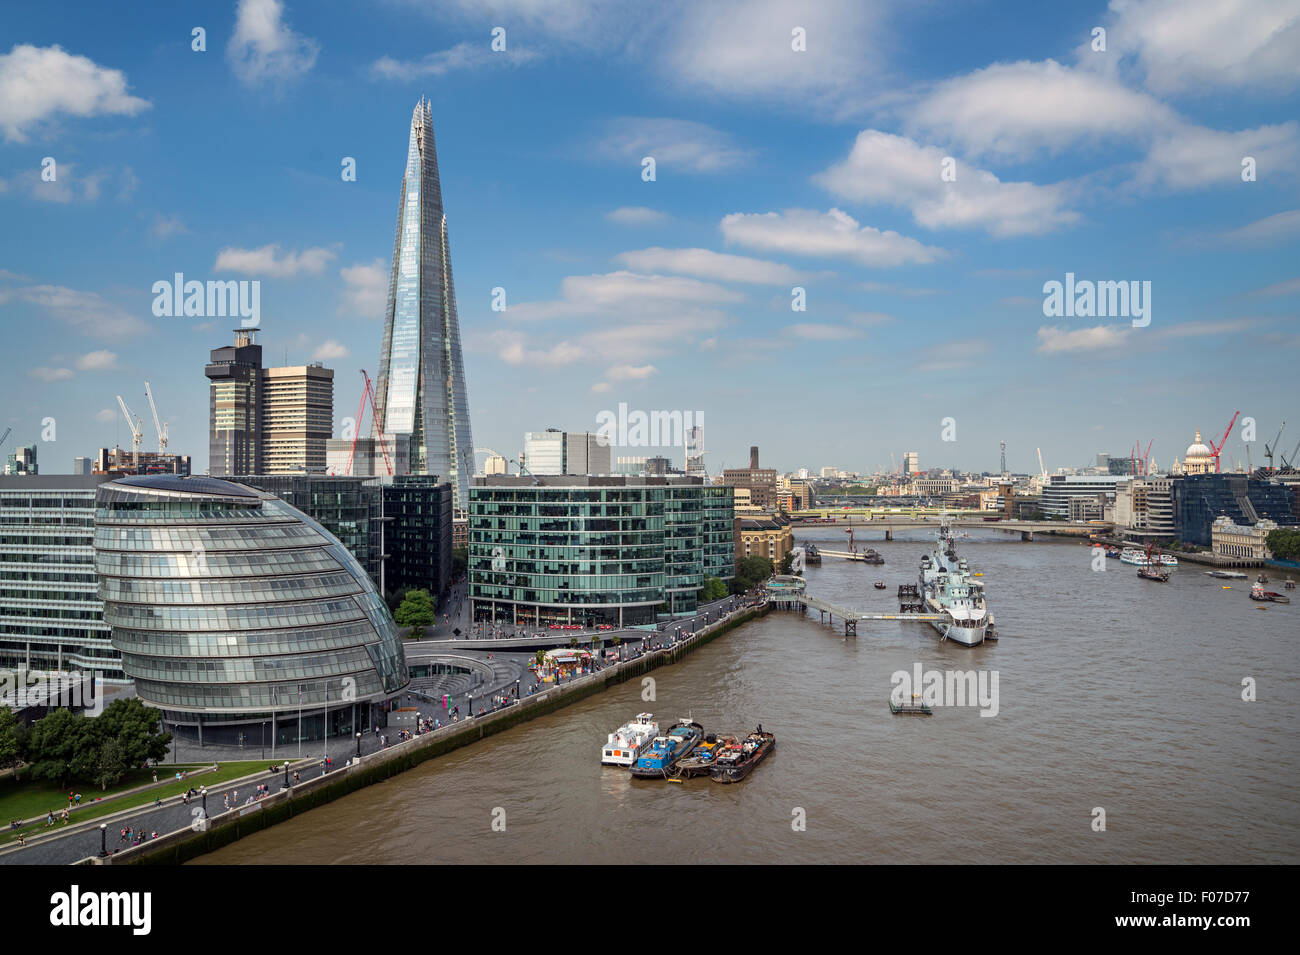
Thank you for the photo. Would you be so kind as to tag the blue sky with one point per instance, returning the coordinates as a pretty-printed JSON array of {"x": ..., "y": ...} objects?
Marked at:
[{"x": 818, "y": 168}]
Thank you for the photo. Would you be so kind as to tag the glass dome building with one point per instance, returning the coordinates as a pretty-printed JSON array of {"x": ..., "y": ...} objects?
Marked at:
[{"x": 238, "y": 616}]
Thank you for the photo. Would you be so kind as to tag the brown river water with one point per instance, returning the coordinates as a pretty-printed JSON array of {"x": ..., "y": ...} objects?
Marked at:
[{"x": 1113, "y": 692}]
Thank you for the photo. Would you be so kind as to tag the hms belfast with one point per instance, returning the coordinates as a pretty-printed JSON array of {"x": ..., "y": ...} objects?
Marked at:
[{"x": 948, "y": 587}]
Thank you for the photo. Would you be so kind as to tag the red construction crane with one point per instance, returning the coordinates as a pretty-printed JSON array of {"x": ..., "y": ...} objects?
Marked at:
[
  {"x": 368, "y": 392},
  {"x": 1216, "y": 448}
]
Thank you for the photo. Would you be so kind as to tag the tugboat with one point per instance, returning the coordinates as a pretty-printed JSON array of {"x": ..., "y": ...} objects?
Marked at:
[
  {"x": 629, "y": 741},
  {"x": 739, "y": 759},
  {"x": 880, "y": 585},
  {"x": 659, "y": 760},
  {"x": 1257, "y": 592},
  {"x": 705, "y": 756}
]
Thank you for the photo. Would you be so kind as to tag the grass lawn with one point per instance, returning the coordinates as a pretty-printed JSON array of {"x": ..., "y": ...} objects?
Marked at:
[{"x": 30, "y": 801}]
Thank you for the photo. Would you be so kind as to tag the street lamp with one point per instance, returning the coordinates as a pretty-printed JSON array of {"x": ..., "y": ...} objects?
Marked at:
[
  {"x": 516, "y": 689},
  {"x": 286, "y": 773},
  {"x": 358, "y": 745},
  {"x": 103, "y": 840},
  {"x": 471, "y": 704},
  {"x": 203, "y": 792}
]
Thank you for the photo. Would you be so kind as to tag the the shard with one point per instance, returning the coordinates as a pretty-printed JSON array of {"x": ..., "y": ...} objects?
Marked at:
[{"x": 420, "y": 388}]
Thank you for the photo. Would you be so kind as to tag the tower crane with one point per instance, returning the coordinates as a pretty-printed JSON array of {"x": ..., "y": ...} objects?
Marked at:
[
  {"x": 160, "y": 428},
  {"x": 136, "y": 433},
  {"x": 367, "y": 392},
  {"x": 1041, "y": 469},
  {"x": 1216, "y": 448},
  {"x": 1270, "y": 451}
]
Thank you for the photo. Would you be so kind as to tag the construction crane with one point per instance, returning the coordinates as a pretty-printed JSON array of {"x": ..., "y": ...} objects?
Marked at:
[
  {"x": 1041, "y": 469},
  {"x": 1269, "y": 451},
  {"x": 368, "y": 393},
  {"x": 5, "y": 436},
  {"x": 160, "y": 428},
  {"x": 1286, "y": 462},
  {"x": 136, "y": 433},
  {"x": 1138, "y": 460},
  {"x": 1217, "y": 448}
]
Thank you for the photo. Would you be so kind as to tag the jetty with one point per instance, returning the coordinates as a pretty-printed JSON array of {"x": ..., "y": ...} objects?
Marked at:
[{"x": 788, "y": 592}]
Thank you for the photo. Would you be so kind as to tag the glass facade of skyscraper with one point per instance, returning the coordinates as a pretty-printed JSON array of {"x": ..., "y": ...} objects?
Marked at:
[
  {"x": 594, "y": 550},
  {"x": 420, "y": 389}
]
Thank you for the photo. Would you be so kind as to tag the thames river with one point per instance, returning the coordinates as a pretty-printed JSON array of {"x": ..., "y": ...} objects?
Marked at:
[{"x": 1114, "y": 694}]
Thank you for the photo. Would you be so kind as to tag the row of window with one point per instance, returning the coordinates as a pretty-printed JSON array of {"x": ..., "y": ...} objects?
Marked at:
[
  {"x": 245, "y": 644},
  {"x": 146, "y": 617},
  {"x": 225, "y": 592}
]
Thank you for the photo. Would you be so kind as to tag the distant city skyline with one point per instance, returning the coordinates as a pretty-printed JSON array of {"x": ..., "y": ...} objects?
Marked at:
[{"x": 783, "y": 178}]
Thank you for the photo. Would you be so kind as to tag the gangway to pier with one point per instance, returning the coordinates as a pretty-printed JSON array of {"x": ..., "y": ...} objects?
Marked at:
[{"x": 788, "y": 592}]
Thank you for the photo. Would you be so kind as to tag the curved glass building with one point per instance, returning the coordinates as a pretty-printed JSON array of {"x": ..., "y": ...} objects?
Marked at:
[{"x": 238, "y": 616}]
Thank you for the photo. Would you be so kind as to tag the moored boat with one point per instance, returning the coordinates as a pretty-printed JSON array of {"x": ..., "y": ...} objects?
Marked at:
[
  {"x": 660, "y": 758},
  {"x": 1226, "y": 574},
  {"x": 738, "y": 760},
  {"x": 626, "y": 743},
  {"x": 704, "y": 757},
  {"x": 880, "y": 585}
]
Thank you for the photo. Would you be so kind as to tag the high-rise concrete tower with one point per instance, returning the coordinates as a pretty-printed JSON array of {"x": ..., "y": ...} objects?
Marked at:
[{"x": 420, "y": 387}]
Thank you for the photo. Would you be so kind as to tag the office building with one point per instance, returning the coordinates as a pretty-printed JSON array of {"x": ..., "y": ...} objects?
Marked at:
[
  {"x": 563, "y": 452},
  {"x": 417, "y": 533},
  {"x": 237, "y": 614},
  {"x": 695, "y": 450},
  {"x": 630, "y": 466},
  {"x": 81, "y": 466},
  {"x": 297, "y": 418},
  {"x": 496, "y": 464},
  {"x": 1144, "y": 509},
  {"x": 369, "y": 457},
  {"x": 594, "y": 549},
  {"x": 234, "y": 373},
  {"x": 1200, "y": 499},
  {"x": 769, "y": 536},
  {"x": 1059, "y": 488},
  {"x": 22, "y": 460},
  {"x": 119, "y": 461},
  {"x": 420, "y": 388},
  {"x": 911, "y": 462},
  {"x": 761, "y": 482}
]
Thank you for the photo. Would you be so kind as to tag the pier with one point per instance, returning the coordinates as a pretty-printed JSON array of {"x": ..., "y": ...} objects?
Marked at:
[{"x": 787, "y": 592}]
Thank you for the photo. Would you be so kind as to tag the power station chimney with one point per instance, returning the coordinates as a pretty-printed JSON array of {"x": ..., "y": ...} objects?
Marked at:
[{"x": 753, "y": 457}]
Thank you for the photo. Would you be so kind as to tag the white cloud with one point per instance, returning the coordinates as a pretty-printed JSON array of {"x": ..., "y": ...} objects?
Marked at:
[
  {"x": 631, "y": 372},
  {"x": 512, "y": 348},
  {"x": 834, "y": 233},
  {"x": 1184, "y": 156},
  {"x": 1054, "y": 340},
  {"x": 366, "y": 294},
  {"x": 105, "y": 414},
  {"x": 822, "y": 332},
  {"x": 636, "y": 215},
  {"x": 43, "y": 373},
  {"x": 87, "y": 312},
  {"x": 37, "y": 83},
  {"x": 624, "y": 294},
  {"x": 601, "y": 387},
  {"x": 677, "y": 145},
  {"x": 744, "y": 48},
  {"x": 1281, "y": 225},
  {"x": 69, "y": 185},
  {"x": 1208, "y": 45},
  {"x": 97, "y": 361},
  {"x": 263, "y": 49},
  {"x": 704, "y": 263},
  {"x": 1015, "y": 110},
  {"x": 268, "y": 261},
  {"x": 166, "y": 226},
  {"x": 462, "y": 56},
  {"x": 893, "y": 170},
  {"x": 1289, "y": 287},
  {"x": 329, "y": 350}
]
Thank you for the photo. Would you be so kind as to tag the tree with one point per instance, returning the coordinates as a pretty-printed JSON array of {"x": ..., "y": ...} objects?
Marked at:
[
  {"x": 714, "y": 589},
  {"x": 752, "y": 571},
  {"x": 135, "y": 727},
  {"x": 416, "y": 612},
  {"x": 55, "y": 743},
  {"x": 616, "y": 640},
  {"x": 394, "y": 599},
  {"x": 111, "y": 765},
  {"x": 787, "y": 563},
  {"x": 10, "y": 738},
  {"x": 1284, "y": 543}
]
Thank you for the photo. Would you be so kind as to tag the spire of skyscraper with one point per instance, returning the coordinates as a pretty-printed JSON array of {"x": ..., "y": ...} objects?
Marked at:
[{"x": 420, "y": 388}]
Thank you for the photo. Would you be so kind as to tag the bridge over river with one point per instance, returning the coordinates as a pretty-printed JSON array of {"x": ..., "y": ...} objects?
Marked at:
[{"x": 1026, "y": 529}]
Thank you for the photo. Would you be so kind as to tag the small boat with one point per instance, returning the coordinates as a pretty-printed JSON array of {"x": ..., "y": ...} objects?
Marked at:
[
  {"x": 1257, "y": 592},
  {"x": 660, "y": 758},
  {"x": 704, "y": 757},
  {"x": 628, "y": 742},
  {"x": 1150, "y": 573},
  {"x": 1150, "y": 564},
  {"x": 738, "y": 760},
  {"x": 1226, "y": 574},
  {"x": 880, "y": 585},
  {"x": 917, "y": 707}
]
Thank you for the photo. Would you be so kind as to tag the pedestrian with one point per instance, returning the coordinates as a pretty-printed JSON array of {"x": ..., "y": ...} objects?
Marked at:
[
  {"x": 22, "y": 840},
  {"x": 155, "y": 775}
]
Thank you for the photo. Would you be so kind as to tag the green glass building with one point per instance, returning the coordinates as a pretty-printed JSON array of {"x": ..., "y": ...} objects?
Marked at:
[{"x": 588, "y": 550}]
